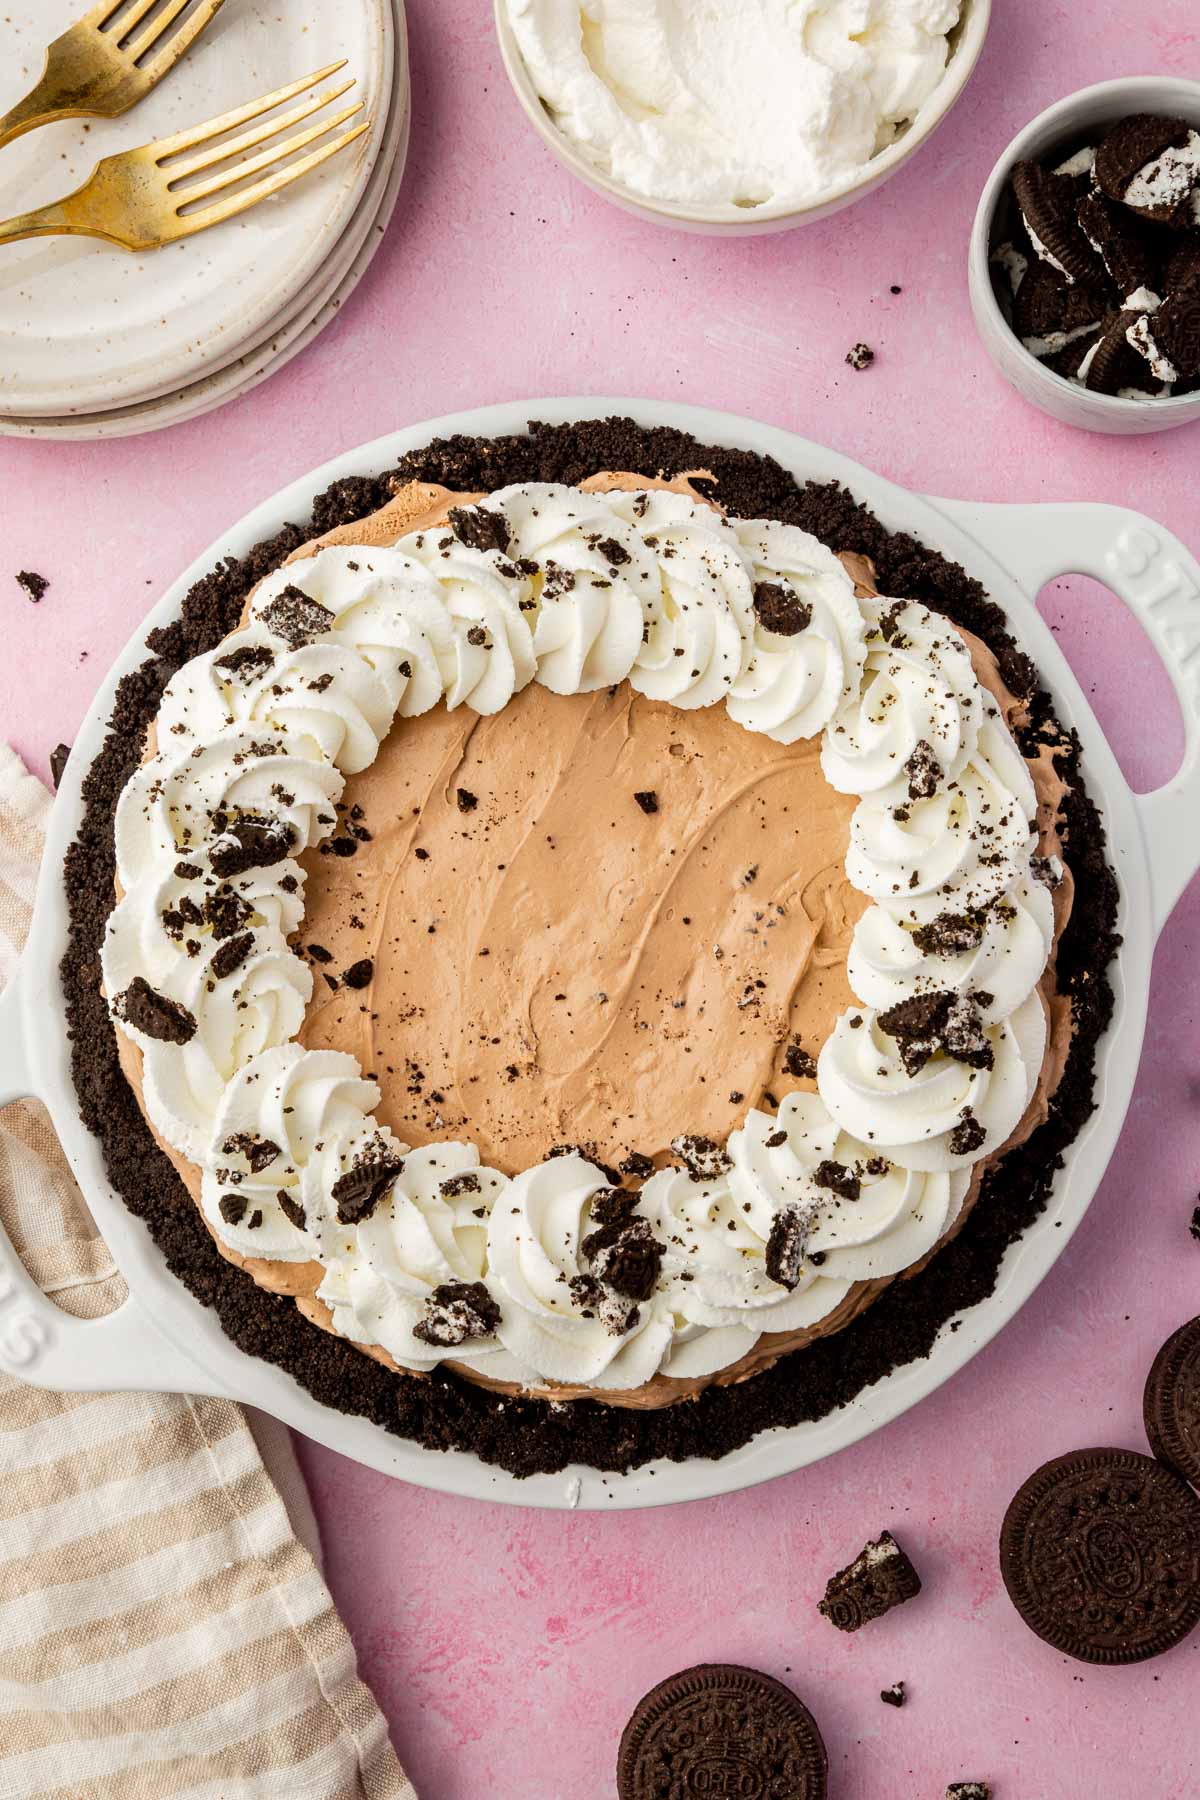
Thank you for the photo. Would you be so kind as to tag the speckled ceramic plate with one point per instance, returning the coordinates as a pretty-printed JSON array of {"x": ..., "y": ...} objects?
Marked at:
[
  {"x": 85, "y": 328},
  {"x": 317, "y": 305}
]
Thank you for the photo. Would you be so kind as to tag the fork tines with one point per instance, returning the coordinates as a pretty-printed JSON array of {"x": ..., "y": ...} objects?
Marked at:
[{"x": 119, "y": 19}]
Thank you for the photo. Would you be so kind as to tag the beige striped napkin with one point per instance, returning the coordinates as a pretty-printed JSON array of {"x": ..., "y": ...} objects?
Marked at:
[{"x": 164, "y": 1626}]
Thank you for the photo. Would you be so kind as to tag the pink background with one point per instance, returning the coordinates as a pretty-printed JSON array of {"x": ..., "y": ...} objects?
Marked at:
[{"x": 509, "y": 1646}]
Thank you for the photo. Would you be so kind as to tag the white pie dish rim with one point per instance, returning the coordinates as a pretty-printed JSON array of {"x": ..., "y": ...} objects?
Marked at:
[{"x": 1009, "y": 549}]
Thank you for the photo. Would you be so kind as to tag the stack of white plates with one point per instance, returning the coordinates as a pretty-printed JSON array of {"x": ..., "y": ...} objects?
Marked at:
[{"x": 97, "y": 343}]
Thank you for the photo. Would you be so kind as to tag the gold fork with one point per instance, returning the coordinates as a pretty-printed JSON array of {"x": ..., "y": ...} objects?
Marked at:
[
  {"x": 103, "y": 65},
  {"x": 144, "y": 198}
]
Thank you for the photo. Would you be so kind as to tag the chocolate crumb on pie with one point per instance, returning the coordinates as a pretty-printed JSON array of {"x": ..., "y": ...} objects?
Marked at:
[
  {"x": 232, "y": 1208},
  {"x": 780, "y": 609},
  {"x": 153, "y": 1014},
  {"x": 945, "y": 1021},
  {"x": 787, "y": 1243},
  {"x": 479, "y": 528},
  {"x": 838, "y": 1179},
  {"x": 358, "y": 1192},
  {"x": 647, "y": 799},
  {"x": 703, "y": 1159},
  {"x": 924, "y": 771},
  {"x": 879, "y": 1578},
  {"x": 247, "y": 661},
  {"x": 296, "y": 618},
  {"x": 467, "y": 801},
  {"x": 798, "y": 1062},
  {"x": 250, "y": 843},
  {"x": 968, "y": 1135},
  {"x": 291, "y": 1209},
  {"x": 359, "y": 974},
  {"x": 232, "y": 954},
  {"x": 637, "y": 1166},
  {"x": 456, "y": 1312},
  {"x": 258, "y": 1152},
  {"x": 950, "y": 934}
]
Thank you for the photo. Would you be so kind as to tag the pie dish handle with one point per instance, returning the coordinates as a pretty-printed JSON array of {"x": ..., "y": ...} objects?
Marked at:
[
  {"x": 49, "y": 1348},
  {"x": 1158, "y": 578}
]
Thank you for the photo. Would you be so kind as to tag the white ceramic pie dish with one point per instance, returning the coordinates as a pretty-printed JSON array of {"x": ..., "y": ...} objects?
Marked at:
[
  {"x": 162, "y": 1331},
  {"x": 735, "y": 221}
]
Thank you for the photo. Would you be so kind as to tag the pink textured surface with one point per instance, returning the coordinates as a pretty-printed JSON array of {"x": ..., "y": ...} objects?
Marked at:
[{"x": 508, "y": 1647}]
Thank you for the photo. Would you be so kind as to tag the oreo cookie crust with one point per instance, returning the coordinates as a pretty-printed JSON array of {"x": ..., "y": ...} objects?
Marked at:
[
  {"x": 721, "y": 1729},
  {"x": 444, "y": 1412},
  {"x": 1100, "y": 1553},
  {"x": 1171, "y": 1402}
]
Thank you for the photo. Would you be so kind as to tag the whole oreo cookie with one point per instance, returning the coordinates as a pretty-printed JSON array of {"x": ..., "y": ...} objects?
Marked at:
[
  {"x": 1171, "y": 1404},
  {"x": 721, "y": 1729},
  {"x": 1139, "y": 144},
  {"x": 1048, "y": 204},
  {"x": 1100, "y": 1553}
]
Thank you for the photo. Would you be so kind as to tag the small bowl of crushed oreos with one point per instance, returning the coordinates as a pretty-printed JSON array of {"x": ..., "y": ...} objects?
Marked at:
[{"x": 1085, "y": 258}]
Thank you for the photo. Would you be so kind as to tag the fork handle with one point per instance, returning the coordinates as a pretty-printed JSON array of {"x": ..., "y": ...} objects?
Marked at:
[
  {"x": 46, "y": 221},
  {"x": 35, "y": 109}
]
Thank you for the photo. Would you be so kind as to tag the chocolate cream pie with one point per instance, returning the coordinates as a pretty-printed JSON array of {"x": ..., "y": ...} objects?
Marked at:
[{"x": 581, "y": 939}]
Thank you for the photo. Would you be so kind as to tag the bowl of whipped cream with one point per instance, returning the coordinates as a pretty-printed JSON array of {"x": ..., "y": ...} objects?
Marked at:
[{"x": 737, "y": 116}]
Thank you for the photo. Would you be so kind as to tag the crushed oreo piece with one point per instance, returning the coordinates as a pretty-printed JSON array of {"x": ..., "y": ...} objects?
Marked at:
[
  {"x": 247, "y": 661},
  {"x": 255, "y": 1219},
  {"x": 479, "y": 528},
  {"x": 467, "y": 801},
  {"x": 358, "y": 1192},
  {"x": 153, "y": 1014},
  {"x": 259, "y": 1152},
  {"x": 1048, "y": 203},
  {"x": 615, "y": 1312},
  {"x": 967, "y": 1135},
  {"x": 787, "y": 1243},
  {"x": 968, "y": 1790},
  {"x": 950, "y": 934},
  {"x": 320, "y": 954},
  {"x": 924, "y": 771},
  {"x": 647, "y": 799},
  {"x": 232, "y": 1208},
  {"x": 860, "y": 356},
  {"x": 297, "y": 618},
  {"x": 799, "y": 1062},
  {"x": 703, "y": 1159},
  {"x": 225, "y": 911},
  {"x": 359, "y": 974},
  {"x": 894, "y": 1695},
  {"x": 779, "y": 608},
  {"x": 625, "y": 1255},
  {"x": 291, "y": 1209},
  {"x": 927, "y": 1023},
  {"x": 232, "y": 954},
  {"x": 250, "y": 843},
  {"x": 838, "y": 1179},
  {"x": 58, "y": 763},
  {"x": 637, "y": 1166},
  {"x": 455, "y": 1185},
  {"x": 1131, "y": 148},
  {"x": 457, "y": 1312},
  {"x": 1194, "y": 1227},
  {"x": 879, "y": 1578}
]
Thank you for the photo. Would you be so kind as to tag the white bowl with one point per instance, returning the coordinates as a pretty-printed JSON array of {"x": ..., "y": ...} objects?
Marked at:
[
  {"x": 966, "y": 42},
  {"x": 163, "y": 1335},
  {"x": 1066, "y": 125}
]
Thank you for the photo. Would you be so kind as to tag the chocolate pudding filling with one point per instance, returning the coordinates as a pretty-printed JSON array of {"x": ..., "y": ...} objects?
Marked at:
[{"x": 442, "y": 1410}]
